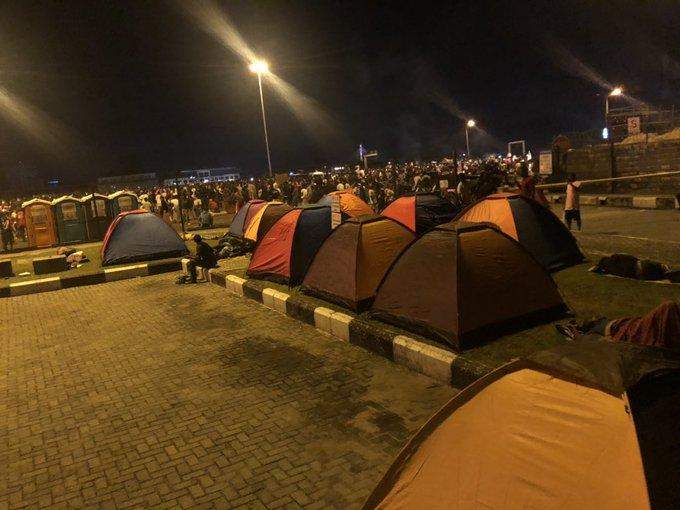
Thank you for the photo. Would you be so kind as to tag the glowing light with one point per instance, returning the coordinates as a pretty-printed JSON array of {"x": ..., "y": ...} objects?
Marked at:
[
  {"x": 605, "y": 134},
  {"x": 471, "y": 123},
  {"x": 259, "y": 67},
  {"x": 616, "y": 92}
]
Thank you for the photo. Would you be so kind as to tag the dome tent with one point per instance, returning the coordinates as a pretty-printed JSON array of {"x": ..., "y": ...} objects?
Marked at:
[
  {"x": 465, "y": 283},
  {"x": 240, "y": 221},
  {"x": 265, "y": 217},
  {"x": 351, "y": 206},
  {"x": 287, "y": 249},
  {"x": 139, "y": 235},
  {"x": 421, "y": 212},
  {"x": 534, "y": 226},
  {"x": 350, "y": 264},
  {"x": 587, "y": 425}
]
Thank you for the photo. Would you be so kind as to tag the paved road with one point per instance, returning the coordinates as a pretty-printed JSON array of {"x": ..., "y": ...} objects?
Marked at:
[
  {"x": 645, "y": 233},
  {"x": 142, "y": 393}
]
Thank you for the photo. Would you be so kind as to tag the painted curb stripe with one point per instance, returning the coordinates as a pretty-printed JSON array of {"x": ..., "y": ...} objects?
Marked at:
[
  {"x": 440, "y": 364},
  {"x": 107, "y": 275}
]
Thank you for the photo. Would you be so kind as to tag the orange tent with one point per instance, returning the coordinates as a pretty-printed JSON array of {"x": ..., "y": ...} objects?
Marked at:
[
  {"x": 350, "y": 264},
  {"x": 264, "y": 218},
  {"x": 534, "y": 226},
  {"x": 588, "y": 425},
  {"x": 350, "y": 204},
  {"x": 464, "y": 283}
]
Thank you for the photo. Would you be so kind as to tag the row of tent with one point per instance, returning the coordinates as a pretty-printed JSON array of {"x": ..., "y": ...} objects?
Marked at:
[
  {"x": 458, "y": 277},
  {"x": 68, "y": 220},
  {"x": 586, "y": 425}
]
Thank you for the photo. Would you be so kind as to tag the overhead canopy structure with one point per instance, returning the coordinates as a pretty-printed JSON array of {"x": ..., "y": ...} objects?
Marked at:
[
  {"x": 239, "y": 224},
  {"x": 421, "y": 212},
  {"x": 264, "y": 218},
  {"x": 136, "y": 236},
  {"x": 351, "y": 263},
  {"x": 530, "y": 223},
  {"x": 287, "y": 249},
  {"x": 585, "y": 426},
  {"x": 350, "y": 205},
  {"x": 463, "y": 283}
]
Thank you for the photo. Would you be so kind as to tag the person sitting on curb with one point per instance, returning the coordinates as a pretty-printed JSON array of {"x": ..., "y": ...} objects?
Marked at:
[
  {"x": 659, "y": 328},
  {"x": 205, "y": 257}
]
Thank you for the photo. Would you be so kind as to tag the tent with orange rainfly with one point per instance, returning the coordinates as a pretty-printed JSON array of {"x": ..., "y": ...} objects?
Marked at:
[
  {"x": 421, "y": 212},
  {"x": 240, "y": 222},
  {"x": 587, "y": 425},
  {"x": 534, "y": 226},
  {"x": 350, "y": 205},
  {"x": 265, "y": 217},
  {"x": 351, "y": 263},
  {"x": 286, "y": 250}
]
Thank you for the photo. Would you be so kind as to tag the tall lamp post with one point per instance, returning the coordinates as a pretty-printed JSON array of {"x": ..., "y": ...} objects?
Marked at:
[
  {"x": 617, "y": 91},
  {"x": 469, "y": 124},
  {"x": 261, "y": 67}
]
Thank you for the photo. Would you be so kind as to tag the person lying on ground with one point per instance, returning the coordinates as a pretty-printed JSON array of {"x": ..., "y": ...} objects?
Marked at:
[{"x": 659, "y": 328}]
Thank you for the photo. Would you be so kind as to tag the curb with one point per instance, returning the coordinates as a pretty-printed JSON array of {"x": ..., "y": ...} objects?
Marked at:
[
  {"x": 107, "y": 275},
  {"x": 436, "y": 362}
]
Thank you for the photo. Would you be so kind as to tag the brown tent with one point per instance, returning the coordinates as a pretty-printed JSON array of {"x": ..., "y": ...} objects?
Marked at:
[
  {"x": 352, "y": 262},
  {"x": 463, "y": 283},
  {"x": 587, "y": 425}
]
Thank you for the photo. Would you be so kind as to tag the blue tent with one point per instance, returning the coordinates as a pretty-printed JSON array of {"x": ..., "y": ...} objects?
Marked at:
[
  {"x": 135, "y": 236},
  {"x": 288, "y": 247}
]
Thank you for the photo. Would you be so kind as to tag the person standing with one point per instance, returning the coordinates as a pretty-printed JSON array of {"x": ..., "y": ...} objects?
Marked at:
[{"x": 572, "y": 209}]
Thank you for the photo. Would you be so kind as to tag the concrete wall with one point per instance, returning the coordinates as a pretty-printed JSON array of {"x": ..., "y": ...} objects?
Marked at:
[{"x": 594, "y": 162}]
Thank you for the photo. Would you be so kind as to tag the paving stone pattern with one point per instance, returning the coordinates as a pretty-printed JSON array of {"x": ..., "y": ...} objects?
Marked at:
[{"x": 142, "y": 393}]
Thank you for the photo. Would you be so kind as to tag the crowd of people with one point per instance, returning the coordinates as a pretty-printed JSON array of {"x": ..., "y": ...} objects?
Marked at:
[{"x": 461, "y": 182}]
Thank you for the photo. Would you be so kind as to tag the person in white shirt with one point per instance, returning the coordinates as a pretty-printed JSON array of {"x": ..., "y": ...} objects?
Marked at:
[{"x": 571, "y": 204}]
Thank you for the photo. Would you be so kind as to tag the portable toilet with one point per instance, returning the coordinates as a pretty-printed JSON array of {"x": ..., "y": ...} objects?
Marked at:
[
  {"x": 69, "y": 215},
  {"x": 97, "y": 215},
  {"x": 40, "y": 227},
  {"x": 122, "y": 201}
]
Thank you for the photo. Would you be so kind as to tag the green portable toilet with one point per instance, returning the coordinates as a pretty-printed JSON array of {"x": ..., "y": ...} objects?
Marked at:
[
  {"x": 69, "y": 215},
  {"x": 97, "y": 215},
  {"x": 122, "y": 201}
]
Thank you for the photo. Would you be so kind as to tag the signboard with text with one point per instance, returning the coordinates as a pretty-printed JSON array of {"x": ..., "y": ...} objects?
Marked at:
[
  {"x": 545, "y": 163},
  {"x": 336, "y": 212},
  {"x": 633, "y": 125}
]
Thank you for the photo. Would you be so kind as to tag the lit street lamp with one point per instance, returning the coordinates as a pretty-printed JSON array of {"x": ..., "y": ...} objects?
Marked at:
[
  {"x": 261, "y": 67},
  {"x": 618, "y": 91},
  {"x": 469, "y": 124}
]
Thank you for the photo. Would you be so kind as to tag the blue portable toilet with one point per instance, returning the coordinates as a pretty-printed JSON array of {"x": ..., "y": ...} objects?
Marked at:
[
  {"x": 122, "y": 201},
  {"x": 97, "y": 215},
  {"x": 69, "y": 215}
]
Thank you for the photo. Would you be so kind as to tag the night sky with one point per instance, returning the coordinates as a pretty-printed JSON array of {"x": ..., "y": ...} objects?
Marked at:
[{"x": 117, "y": 87}]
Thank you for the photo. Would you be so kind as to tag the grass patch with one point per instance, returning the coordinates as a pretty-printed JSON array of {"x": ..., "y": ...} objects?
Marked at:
[
  {"x": 587, "y": 294},
  {"x": 24, "y": 263}
]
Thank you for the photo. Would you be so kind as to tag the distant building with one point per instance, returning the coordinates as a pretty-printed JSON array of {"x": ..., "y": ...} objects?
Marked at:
[
  {"x": 118, "y": 182},
  {"x": 222, "y": 174}
]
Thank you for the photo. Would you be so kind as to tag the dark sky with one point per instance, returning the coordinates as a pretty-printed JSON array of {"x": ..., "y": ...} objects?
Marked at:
[{"x": 136, "y": 86}]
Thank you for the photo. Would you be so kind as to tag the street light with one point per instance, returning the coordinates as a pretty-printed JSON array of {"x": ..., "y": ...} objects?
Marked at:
[
  {"x": 261, "y": 67},
  {"x": 469, "y": 124},
  {"x": 616, "y": 91}
]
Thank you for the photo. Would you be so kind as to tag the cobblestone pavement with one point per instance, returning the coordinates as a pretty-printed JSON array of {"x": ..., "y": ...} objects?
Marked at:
[{"x": 142, "y": 393}]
